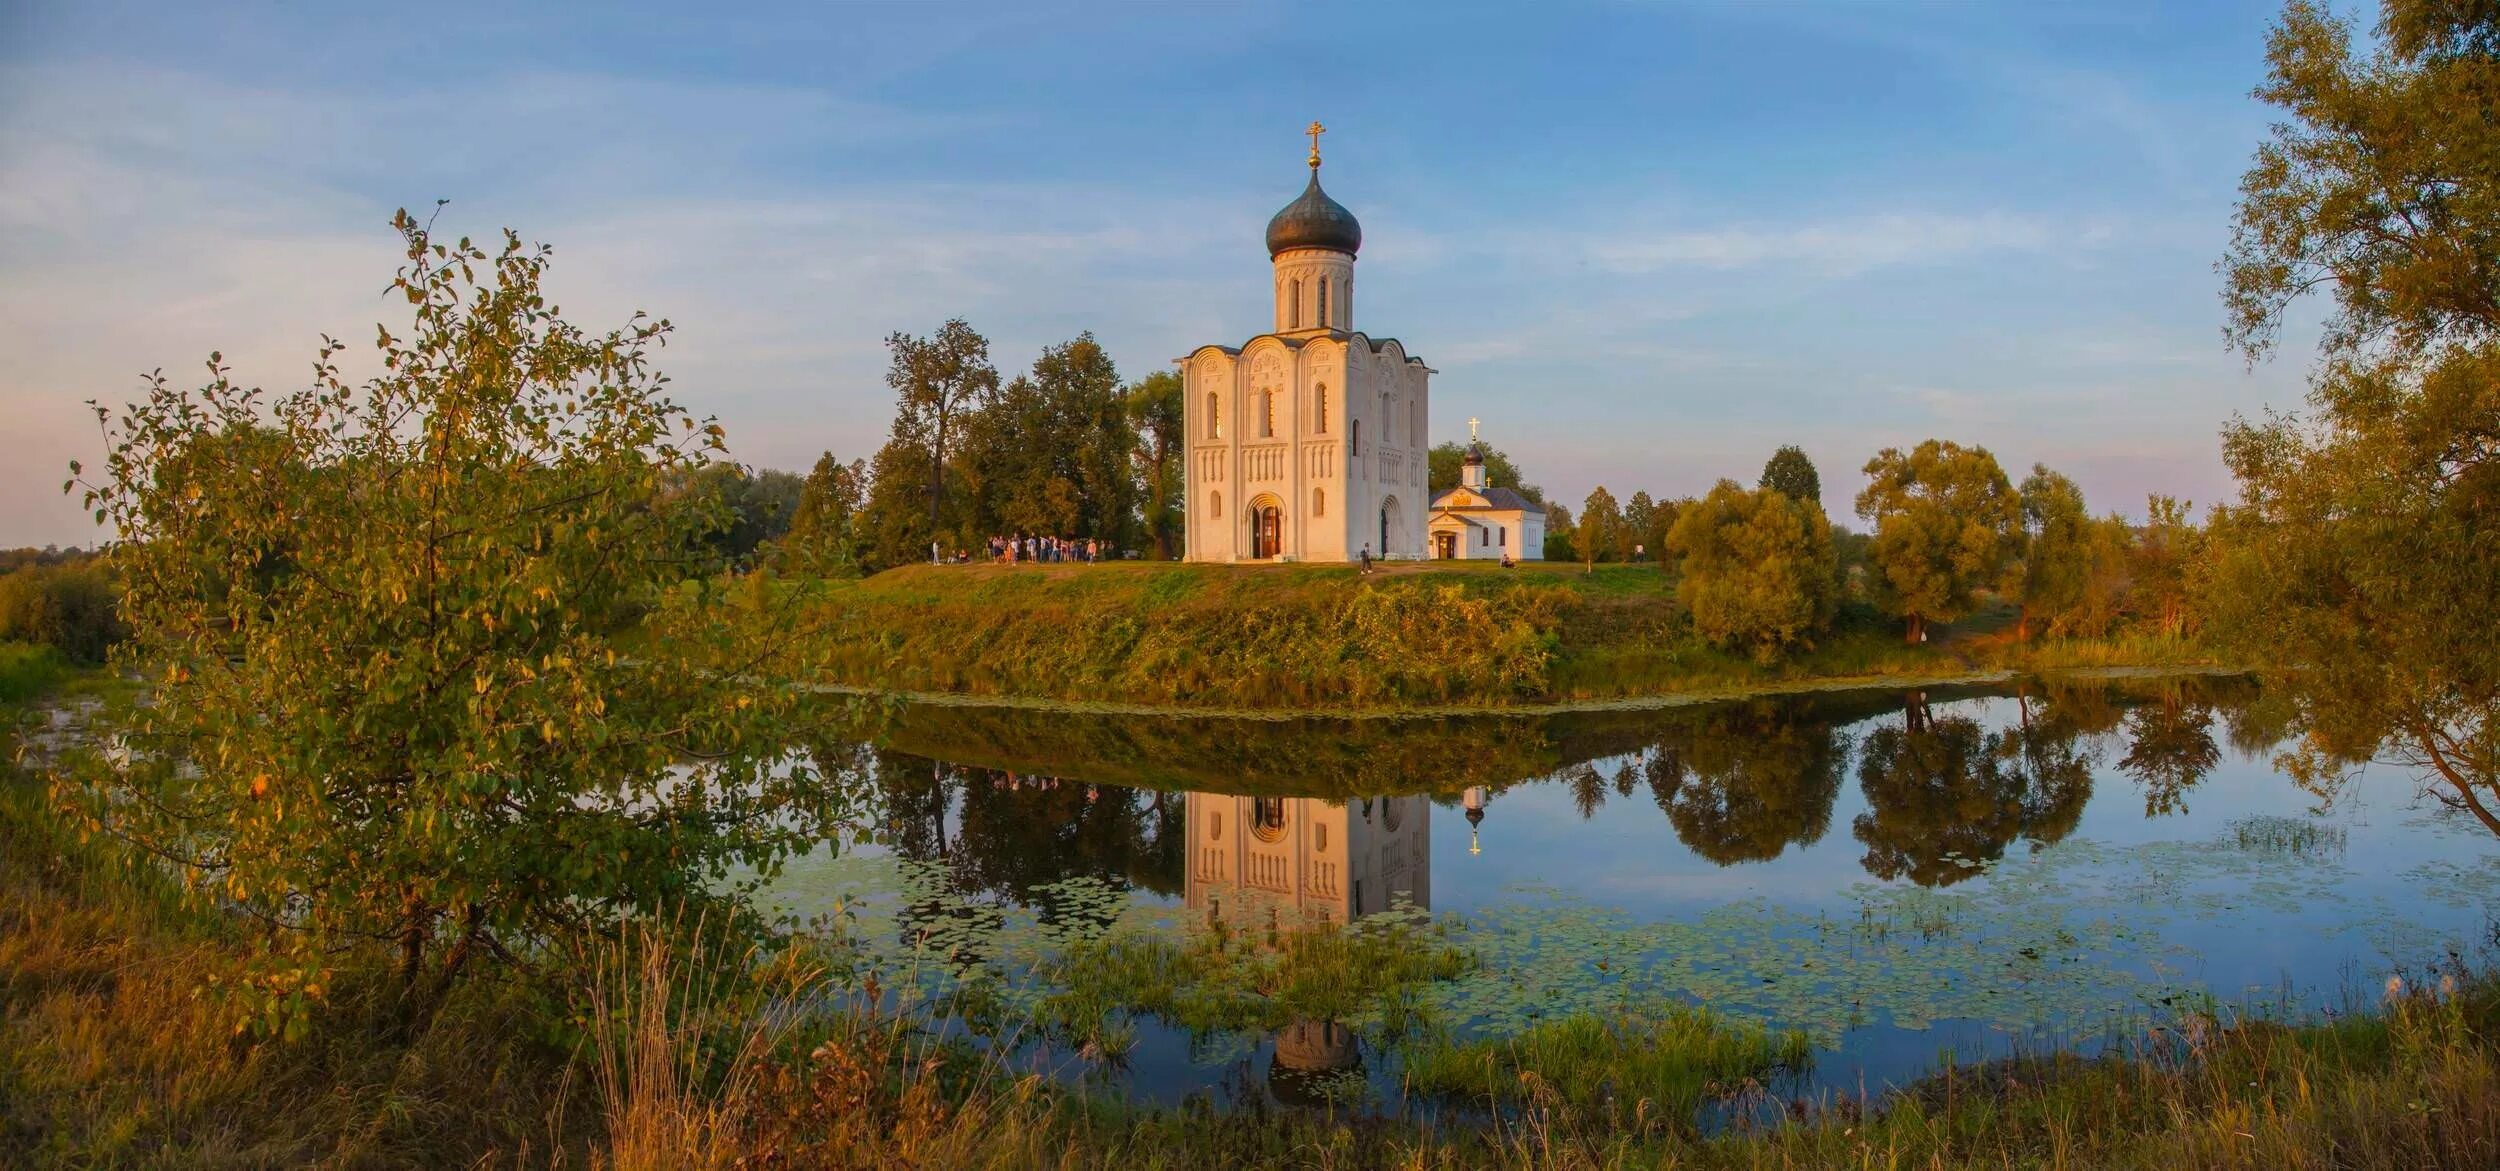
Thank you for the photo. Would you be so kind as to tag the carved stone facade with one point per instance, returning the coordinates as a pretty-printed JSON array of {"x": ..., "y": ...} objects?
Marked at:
[{"x": 1307, "y": 443}]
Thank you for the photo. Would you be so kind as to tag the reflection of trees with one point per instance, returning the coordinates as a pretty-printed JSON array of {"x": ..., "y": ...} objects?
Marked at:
[
  {"x": 1588, "y": 789},
  {"x": 1944, "y": 794},
  {"x": 1749, "y": 779},
  {"x": 2170, "y": 747},
  {"x": 1011, "y": 840},
  {"x": 1009, "y": 837}
]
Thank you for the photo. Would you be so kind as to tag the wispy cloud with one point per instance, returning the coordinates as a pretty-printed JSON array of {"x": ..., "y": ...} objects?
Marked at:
[{"x": 1845, "y": 247}]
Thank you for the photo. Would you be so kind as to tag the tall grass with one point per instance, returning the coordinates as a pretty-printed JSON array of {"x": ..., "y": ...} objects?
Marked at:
[
  {"x": 1638, "y": 1071},
  {"x": 675, "y": 1054},
  {"x": 28, "y": 670}
]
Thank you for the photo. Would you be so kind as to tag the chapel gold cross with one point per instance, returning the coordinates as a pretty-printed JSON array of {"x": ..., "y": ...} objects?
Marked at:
[
  {"x": 1471, "y": 429},
  {"x": 1315, "y": 131}
]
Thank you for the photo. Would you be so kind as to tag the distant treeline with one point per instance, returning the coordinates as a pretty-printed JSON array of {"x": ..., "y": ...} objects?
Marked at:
[
  {"x": 65, "y": 599},
  {"x": 1763, "y": 570}
]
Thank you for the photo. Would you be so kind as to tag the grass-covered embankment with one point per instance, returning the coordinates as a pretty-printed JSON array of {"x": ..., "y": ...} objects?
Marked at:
[{"x": 1322, "y": 637}]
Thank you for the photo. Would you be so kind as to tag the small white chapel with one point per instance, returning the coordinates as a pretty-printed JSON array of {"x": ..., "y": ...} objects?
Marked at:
[
  {"x": 1482, "y": 520},
  {"x": 1307, "y": 443}
]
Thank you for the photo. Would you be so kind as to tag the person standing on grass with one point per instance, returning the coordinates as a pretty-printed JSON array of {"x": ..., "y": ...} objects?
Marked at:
[{"x": 1367, "y": 558}]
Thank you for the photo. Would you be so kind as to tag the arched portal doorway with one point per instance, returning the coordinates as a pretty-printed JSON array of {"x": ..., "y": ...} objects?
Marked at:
[
  {"x": 1392, "y": 528},
  {"x": 1267, "y": 528}
]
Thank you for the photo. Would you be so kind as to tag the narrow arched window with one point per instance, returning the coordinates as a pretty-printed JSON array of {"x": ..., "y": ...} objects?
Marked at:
[
  {"x": 1293, "y": 306},
  {"x": 1388, "y": 419},
  {"x": 1319, "y": 408},
  {"x": 1215, "y": 504},
  {"x": 1267, "y": 415},
  {"x": 1324, "y": 319},
  {"x": 1215, "y": 418},
  {"x": 1357, "y": 435},
  {"x": 1267, "y": 818},
  {"x": 1319, "y": 502}
]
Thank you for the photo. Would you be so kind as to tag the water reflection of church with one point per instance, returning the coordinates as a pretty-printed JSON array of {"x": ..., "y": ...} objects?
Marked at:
[{"x": 1332, "y": 860}]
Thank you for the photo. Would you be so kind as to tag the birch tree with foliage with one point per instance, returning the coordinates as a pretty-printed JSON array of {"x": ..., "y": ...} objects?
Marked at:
[
  {"x": 2359, "y": 562},
  {"x": 394, "y": 709}
]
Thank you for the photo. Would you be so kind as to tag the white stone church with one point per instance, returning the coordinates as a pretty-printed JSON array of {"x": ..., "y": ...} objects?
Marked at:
[{"x": 1308, "y": 443}]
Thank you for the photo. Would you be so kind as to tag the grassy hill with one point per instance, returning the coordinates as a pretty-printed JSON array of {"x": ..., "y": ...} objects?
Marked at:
[{"x": 1302, "y": 637}]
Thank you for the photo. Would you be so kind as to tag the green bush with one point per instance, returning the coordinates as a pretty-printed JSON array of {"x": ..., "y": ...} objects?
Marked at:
[
  {"x": 28, "y": 670},
  {"x": 72, "y": 608}
]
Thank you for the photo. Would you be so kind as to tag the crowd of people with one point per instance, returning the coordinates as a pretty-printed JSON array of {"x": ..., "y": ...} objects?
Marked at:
[{"x": 1021, "y": 549}]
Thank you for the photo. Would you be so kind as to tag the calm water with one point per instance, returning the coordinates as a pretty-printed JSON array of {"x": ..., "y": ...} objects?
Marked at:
[{"x": 1901, "y": 874}]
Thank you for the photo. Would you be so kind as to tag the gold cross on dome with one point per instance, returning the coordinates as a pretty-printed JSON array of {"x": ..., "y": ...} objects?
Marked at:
[
  {"x": 1471, "y": 430},
  {"x": 1315, "y": 131}
]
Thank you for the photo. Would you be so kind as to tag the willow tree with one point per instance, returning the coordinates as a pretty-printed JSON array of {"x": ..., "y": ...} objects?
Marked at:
[
  {"x": 428, "y": 672},
  {"x": 2359, "y": 561},
  {"x": 1945, "y": 526}
]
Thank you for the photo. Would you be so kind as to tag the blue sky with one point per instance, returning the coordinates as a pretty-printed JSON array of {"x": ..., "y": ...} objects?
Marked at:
[{"x": 1645, "y": 243}]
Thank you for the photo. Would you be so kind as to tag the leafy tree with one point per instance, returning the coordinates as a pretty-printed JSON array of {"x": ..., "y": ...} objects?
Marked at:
[
  {"x": 896, "y": 523},
  {"x": 2109, "y": 555},
  {"x": 2378, "y": 187},
  {"x": 1154, "y": 407},
  {"x": 1855, "y": 552},
  {"x": 1052, "y": 453},
  {"x": 1445, "y": 462},
  {"x": 1758, "y": 569},
  {"x": 1640, "y": 517},
  {"x": 1945, "y": 521},
  {"x": 2055, "y": 568},
  {"x": 1600, "y": 521},
  {"x": 1663, "y": 516},
  {"x": 2358, "y": 562},
  {"x": 422, "y": 730},
  {"x": 1790, "y": 473},
  {"x": 825, "y": 530},
  {"x": 1561, "y": 535},
  {"x": 936, "y": 381},
  {"x": 754, "y": 507},
  {"x": 2162, "y": 560}
]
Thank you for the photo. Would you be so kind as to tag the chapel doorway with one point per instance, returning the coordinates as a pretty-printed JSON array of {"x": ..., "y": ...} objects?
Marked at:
[
  {"x": 1267, "y": 530},
  {"x": 1445, "y": 546}
]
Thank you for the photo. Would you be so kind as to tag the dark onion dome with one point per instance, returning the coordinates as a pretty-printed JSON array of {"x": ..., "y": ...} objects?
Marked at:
[
  {"x": 1475, "y": 455},
  {"x": 1314, "y": 221}
]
